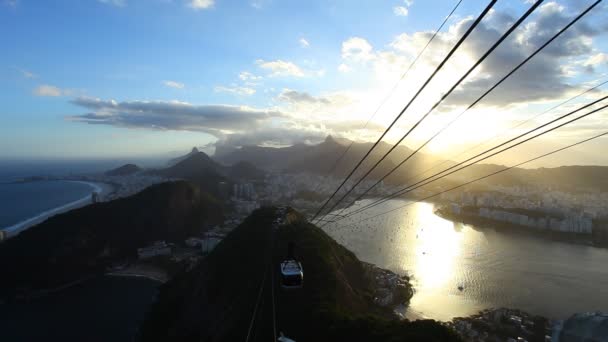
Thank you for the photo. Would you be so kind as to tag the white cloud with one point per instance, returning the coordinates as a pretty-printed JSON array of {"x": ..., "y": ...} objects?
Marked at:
[
  {"x": 174, "y": 84},
  {"x": 357, "y": 49},
  {"x": 235, "y": 90},
  {"x": 304, "y": 43},
  {"x": 201, "y": 4},
  {"x": 28, "y": 74},
  {"x": 49, "y": 90},
  {"x": 280, "y": 68},
  {"x": 343, "y": 68},
  {"x": 25, "y": 73},
  {"x": 401, "y": 11},
  {"x": 247, "y": 76},
  {"x": 117, "y": 3},
  {"x": 595, "y": 61}
]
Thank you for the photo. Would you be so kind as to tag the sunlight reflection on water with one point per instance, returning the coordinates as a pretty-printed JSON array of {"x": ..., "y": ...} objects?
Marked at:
[{"x": 493, "y": 268}]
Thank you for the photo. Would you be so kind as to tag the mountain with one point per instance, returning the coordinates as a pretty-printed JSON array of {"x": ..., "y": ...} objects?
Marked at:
[
  {"x": 85, "y": 241},
  {"x": 191, "y": 166},
  {"x": 125, "y": 170},
  {"x": 321, "y": 158},
  {"x": 244, "y": 170},
  {"x": 565, "y": 178},
  {"x": 199, "y": 167},
  {"x": 179, "y": 159},
  {"x": 215, "y": 300}
]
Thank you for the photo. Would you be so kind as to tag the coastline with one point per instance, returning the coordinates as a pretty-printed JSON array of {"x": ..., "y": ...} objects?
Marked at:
[
  {"x": 141, "y": 271},
  {"x": 485, "y": 223},
  {"x": 102, "y": 188}
]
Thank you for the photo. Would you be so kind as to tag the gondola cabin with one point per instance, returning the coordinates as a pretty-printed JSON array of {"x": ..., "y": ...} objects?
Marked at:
[{"x": 292, "y": 274}]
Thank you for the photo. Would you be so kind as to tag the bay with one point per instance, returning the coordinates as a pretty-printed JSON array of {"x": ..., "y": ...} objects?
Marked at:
[{"x": 495, "y": 268}]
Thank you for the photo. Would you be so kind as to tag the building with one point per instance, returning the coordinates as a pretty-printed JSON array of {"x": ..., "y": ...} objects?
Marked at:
[
  {"x": 589, "y": 326},
  {"x": 224, "y": 190},
  {"x": 193, "y": 242},
  {"x": 156, "y": 249},
  {"x": 209, "y": 241},
  {"x": 3, "y": 235}
]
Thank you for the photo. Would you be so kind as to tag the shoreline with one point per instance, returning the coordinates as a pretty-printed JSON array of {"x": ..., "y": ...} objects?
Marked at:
[
  {"x": 102, "y": 188},
  {"x": 481, "y": 223},
  {"x": 159, "y": 279}
]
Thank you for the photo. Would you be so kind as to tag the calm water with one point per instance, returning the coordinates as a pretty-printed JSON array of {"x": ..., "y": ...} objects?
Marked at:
[
  {"x": 103, "y": 309},
  {"x": 549, "y": 278},
  {"x": 21, "y": 201}
]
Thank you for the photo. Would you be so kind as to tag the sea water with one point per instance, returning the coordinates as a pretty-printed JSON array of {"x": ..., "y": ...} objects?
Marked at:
[
  {"x": 22, "y": 201},
  {"x": 459, "y": 269}
]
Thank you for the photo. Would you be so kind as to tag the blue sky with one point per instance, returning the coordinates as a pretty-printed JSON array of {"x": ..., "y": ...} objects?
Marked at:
[{"x": 87, "y": 78}]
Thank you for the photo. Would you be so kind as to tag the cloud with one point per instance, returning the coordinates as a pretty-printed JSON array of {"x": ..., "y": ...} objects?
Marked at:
[
  {"x": 28, "y": 74},
  {"x": 280, "y": 68},
  {"x": 49, "y": 90},
  {"x": 174, "y": 84},
  {"x": 247, "y": 76},
  {"x": 200, "y": 4},
  {"x": 547, "y": 76},
  {"x": 304, "y": 43},
  {"x": 595, "y": 61},
  {"x": 343, "y": 68},
  {"x": 172, "y": 115},
  {"x": 294, "y": 96},
  {"x": 401, "y": 11},
  {"x": 117, "y": 3},
  {"x": 25, "y": 73},
  {"x": 235, "y": 90},
  {"x": 357, "y": 49}
]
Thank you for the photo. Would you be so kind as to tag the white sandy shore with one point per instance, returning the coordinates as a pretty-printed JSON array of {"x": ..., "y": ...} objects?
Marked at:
[{"x": 101, "y": 188}]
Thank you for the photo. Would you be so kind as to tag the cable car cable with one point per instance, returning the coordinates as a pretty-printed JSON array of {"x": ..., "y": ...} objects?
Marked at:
[
  {"x": 489, "y": 175},
  {"x": 429, "y": 180},
  {"x": 439, "y": 67},
  {"x": 391, "y": 92},
  {"x": 479, "y": 99},
  {"x": 454, "y": 86}
]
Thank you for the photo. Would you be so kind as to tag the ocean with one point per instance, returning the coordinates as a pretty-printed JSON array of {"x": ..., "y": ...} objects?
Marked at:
[
  {"x": 23, "y": 201},
  {"x": 495, "y": 268}
]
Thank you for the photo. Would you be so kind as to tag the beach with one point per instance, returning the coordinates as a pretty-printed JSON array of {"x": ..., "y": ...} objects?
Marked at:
[{"x": 101, "y": 188}]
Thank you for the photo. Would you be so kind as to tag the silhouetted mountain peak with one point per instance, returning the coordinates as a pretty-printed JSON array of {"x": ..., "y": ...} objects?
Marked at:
[{"x": 125, "y": 170}]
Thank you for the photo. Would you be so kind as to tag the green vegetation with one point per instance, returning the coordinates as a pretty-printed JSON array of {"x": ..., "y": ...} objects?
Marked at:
[
  {"x": 215, "y": 300},
  {"x": 85, "y": 241}
]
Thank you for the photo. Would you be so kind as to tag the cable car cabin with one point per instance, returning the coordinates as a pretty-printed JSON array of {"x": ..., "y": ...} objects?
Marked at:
[{"x": 292, "y": 274}]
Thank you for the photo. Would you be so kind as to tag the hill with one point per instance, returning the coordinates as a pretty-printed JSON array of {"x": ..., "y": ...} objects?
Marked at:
[
  {"x": 215, "y": 300},
  {"x": 564, "y": 178},
  {"x": 85, "y": 241},
  {"x": 199, "y": 168},
  {"x": 320, "y": 158},
  {"x": 125, "y": 170},
  {"x": 179, "y": 159},
  {"x": 192, "y": 166}
]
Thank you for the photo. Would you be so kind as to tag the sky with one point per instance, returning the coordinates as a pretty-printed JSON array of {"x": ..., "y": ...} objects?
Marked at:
[{"x": 122, "y": 78}]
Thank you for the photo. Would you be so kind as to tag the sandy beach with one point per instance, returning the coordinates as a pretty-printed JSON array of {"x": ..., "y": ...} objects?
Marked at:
[{"x": 101, "y": 188}]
